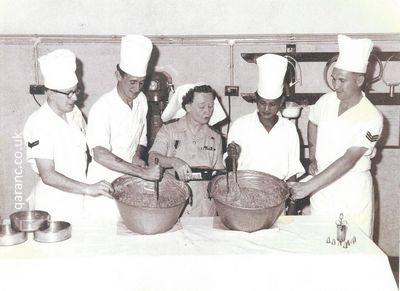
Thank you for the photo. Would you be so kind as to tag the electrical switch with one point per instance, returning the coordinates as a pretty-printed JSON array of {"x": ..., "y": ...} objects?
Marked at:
[
  {"x": 231, "y": 90},
  {"x": 36, "y": 89}
]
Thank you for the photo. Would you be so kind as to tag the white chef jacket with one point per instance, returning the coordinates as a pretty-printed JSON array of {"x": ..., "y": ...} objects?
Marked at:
[
  {"x": 201, "y": 150},
  {"x": 360, "y": 126},
  {"x": 276, "y": 152},
  {"x": 48, "y": 136},
  {"x": 115, "y": 126}
]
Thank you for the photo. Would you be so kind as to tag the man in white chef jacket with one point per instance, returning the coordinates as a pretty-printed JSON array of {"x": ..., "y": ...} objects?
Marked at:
[
  {"x": 117, "y": 128},
  {"x": 343, "y": 129},
  {"x": 263, "y": 140},
  {"x": 56, "y": 149}
]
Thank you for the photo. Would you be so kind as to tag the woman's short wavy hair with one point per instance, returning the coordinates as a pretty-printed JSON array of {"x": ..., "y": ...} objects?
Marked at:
[{"x": 188, "y": 98}]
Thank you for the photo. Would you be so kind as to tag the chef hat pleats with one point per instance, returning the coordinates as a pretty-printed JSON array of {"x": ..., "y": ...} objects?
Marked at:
[
  {"x": 353, "y": 54},
  {"x": 135, "y": 54},
  {"x": 271, "y": 73},
  {"x": 58, "y": 69}
]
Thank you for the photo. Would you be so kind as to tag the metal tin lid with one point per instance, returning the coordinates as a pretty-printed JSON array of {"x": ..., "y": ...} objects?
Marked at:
[
  {"x": 29, "y": 220},
  {"x": 57, "y": 231},
  {"x": 9, "y": 236}
]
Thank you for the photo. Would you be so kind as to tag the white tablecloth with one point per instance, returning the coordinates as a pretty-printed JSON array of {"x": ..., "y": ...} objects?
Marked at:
[{"x": 199, "y": 254}]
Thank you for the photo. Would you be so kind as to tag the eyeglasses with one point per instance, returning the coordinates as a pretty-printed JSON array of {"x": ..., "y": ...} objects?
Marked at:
[{"x": 69, "y": 94}]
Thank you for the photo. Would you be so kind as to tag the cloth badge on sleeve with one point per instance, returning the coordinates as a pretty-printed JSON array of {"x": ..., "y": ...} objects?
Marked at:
[
  {"x": 372, "y": 138},
  {"x": 32, "y": 144}
]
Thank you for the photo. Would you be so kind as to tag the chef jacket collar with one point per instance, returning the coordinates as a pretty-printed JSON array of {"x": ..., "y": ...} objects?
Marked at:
[
  {"x": 121, "y": 101},
  {"x": 70, "y": 116},
  {"x": 278, "y": 124}
]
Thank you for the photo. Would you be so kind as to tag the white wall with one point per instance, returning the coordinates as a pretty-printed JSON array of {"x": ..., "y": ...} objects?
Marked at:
[{"x": 192, "y": 17}]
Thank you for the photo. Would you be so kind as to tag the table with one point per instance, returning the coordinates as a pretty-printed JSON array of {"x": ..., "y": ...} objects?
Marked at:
[{"x": 199, "y": 254}]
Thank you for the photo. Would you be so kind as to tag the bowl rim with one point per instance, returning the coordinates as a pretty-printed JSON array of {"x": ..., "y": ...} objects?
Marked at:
[
  {"x": 292, "y": 109},
  {"x": 292, "y": 104},
  {"x": 248, "y": 208},
  {"x": 152, "y": 208}
]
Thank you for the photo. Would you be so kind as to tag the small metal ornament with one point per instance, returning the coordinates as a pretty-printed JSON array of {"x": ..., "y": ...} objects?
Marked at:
[
  {"x": 341, "y": 232},
  {"x": 341, "y": 226}
]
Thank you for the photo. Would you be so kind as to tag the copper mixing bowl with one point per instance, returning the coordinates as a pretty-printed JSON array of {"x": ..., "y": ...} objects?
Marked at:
[
  {"x": 141, "y": 212},
  {"x": 237, "y": 216}
]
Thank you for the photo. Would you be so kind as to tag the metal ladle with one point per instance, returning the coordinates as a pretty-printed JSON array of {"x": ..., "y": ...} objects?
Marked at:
[
  {"x": 391, "y": 85},
  {"x": 234, "y": 188},
  {"x": 294, "y": 80},
  {"x": 156, "y": 188}
]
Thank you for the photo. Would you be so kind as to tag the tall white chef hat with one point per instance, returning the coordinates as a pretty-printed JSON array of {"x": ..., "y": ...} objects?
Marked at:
[
  {"x": 271, "y": 72},
  {"x": 135, "y": 54},
  {"x": 58, "y": 69},
  {"x": 353, "y": 54},
  {"x": 174, "y": 108}
]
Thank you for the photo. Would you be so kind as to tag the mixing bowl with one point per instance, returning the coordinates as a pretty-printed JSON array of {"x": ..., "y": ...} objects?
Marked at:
[
  {"x": 261, "y": 202},
  {"x": 139, "y": 208},
  {"x": 291, "y": 110},
  {"x": 29, "y": 220}
]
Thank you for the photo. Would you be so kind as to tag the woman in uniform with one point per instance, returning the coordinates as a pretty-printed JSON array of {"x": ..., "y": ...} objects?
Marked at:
[{"x": 190, "y": 142}]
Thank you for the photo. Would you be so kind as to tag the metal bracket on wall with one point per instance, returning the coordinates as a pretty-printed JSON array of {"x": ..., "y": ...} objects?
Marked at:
[
  {"x": 312, "y": 57},
  {"x": 311, "y": 98}
]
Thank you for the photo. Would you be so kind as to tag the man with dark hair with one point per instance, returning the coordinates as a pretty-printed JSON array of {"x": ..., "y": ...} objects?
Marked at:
[
  {"x": 263, "y": 140},
  {"x": 117, "y": 121},
  {"x": 190, "y": 142},
  {"x": 117, "y": 127}
]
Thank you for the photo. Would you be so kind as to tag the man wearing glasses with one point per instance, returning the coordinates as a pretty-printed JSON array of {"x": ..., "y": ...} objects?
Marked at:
[{"x": 54, "y": 137}]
